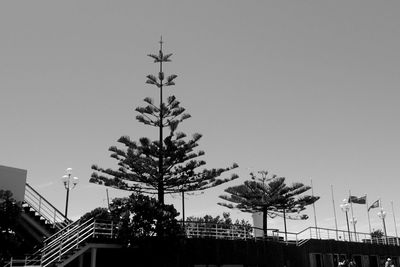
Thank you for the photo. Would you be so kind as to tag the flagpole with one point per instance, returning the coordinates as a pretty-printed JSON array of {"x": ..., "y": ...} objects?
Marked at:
[
  {"x": 395, "y": 225},
  {"x": 369, "y": 220},
  {"x": 334, "y": 213},
  {"x": 352, "y": 217},
  {"x": 315, "y": 214}
]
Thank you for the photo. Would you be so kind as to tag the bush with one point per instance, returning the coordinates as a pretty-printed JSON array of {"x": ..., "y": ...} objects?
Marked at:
[{"x": 139, "y": 216}]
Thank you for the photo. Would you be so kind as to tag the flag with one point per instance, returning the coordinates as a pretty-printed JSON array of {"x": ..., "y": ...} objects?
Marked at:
[
  {"x": 376, "y": 204},
  {"x": 358, "y": 200}
]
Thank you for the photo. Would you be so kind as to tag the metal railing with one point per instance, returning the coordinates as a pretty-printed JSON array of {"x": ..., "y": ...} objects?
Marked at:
[
  {"x": 220, "y": 231},
  {"x": 44, "y": 208},
  {"x": 66, "y": 241},
  {"x": 23, "y": 262},
  {"x": 70, "y": 238},
  {"x": 57, "y": 247}
]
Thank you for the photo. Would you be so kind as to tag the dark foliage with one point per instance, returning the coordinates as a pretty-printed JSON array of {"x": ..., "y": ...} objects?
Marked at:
[
  {"x": 225, "y": 219},
  {"x": 200, "y": 226},
  {"x": 139, "y": 216},
  {"x": 271, "y": 196},
  {"x": 97, "y": 214},
  {"x": 377, "y": 234},
  {"x": 10, "y": 243}
]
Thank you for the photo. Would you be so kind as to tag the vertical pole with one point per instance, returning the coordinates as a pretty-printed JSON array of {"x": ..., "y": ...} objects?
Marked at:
[
  {"x": 108, "y": 200},
  {"x": 66, "y": 201},
  {"x": 315, "y": 214},
  {"x": 369, "y": 220},
  {"x": 160, "y": 158},
  {"x": 93, "y": 256},
  {"x": 66, "y": 204},
  {"x": 395, "y": 225},
  {"x": 334, "y": 213},
  {"x": 384, "y": 229},
  {"x": 383, "y": 221},
  {"x": 352, "y": 216},
  {"x": 265, "y": 217},
  {"x": 81, "y": 260},
  {"x": 183, "y": 209},
  {"x": 284, "y": 221},
  {"x": 348, "y": 226}
]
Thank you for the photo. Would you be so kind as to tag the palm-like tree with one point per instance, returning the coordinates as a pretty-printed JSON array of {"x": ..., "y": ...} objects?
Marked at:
[{"x": 271, "y": 196}]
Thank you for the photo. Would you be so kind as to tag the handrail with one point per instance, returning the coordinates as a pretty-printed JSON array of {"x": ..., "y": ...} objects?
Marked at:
[
  {"x": 41, "y": 205},
  {"x": 69, "y": 227},
  {"x": 65, "y": 235},
  {"x": 71, "y": 239},
  {"x": 221, "y": 231}
]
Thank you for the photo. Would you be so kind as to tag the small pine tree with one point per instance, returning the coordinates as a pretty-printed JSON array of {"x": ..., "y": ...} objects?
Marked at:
[
  {"x": 271, "y": 196},
  {"x": 167, "y": 165}
]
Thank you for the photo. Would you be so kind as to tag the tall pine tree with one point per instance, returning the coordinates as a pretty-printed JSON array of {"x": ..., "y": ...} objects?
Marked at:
[{"x": 167, "y": 165}]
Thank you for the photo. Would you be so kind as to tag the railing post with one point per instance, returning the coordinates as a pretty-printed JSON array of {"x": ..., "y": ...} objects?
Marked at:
[
  {"x": 11, "y": 261},
  {"x": 59, "y": 252},
  {"x": 112, "y": 228},
  {"x": 42, "y": 256},
  {"x": 40, "y": 204},
  {"x": 77, "y": 239}
]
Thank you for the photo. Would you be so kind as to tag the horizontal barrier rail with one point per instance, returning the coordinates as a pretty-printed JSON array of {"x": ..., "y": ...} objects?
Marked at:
[
  {"x": 63, "y": 244},
  {"x": 221, "y": 231},
  {"x": 77, "y": 233}
]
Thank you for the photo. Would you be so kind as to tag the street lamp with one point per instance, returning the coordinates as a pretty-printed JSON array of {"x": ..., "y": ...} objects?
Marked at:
[
  {"x": 345, "y": 208},
  {"x": 69, "y": 184},
  {"x": 382, "y": 215},
  {"x": 353, "y": 222}
]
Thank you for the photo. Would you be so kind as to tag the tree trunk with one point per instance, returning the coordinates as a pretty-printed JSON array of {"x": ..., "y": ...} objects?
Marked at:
[
  {"x": 284, "y": 222},
  {"x": 183, "y": 209},
  {"x": 161, "y": 152},
  {"x": 265, "y": 213}
]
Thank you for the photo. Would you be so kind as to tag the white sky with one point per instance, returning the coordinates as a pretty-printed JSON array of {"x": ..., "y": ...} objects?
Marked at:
[{"x": 304, "y": 89}]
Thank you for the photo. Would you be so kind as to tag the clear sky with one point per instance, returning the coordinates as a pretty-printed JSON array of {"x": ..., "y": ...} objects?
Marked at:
[{"x": 304, "y": 89}]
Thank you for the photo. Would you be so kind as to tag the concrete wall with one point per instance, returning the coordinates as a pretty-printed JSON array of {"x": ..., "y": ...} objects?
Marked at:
[
  {"x": 258, "y": 222},
  {"x": 13, "y": 179}
]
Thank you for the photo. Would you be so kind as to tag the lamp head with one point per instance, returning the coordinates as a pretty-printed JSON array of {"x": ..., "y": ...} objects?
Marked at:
[{"x": 64, "y": 179}]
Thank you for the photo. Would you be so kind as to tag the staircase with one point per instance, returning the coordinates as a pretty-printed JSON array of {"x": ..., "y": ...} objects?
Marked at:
[
  {"x": 69, "y": 243},
  {"x": 38, "y": 206},
  {"x": 39, "y": 218},
  {"x": 60, "y": 239}
]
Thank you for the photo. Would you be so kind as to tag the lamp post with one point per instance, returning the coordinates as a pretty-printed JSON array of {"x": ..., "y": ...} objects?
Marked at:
[
  {"x": 345, "y": 206},
  {"x": 382, "y": 215},
  {"x": 69, "y": 184},
  {"x": 353, "y": 222}
]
